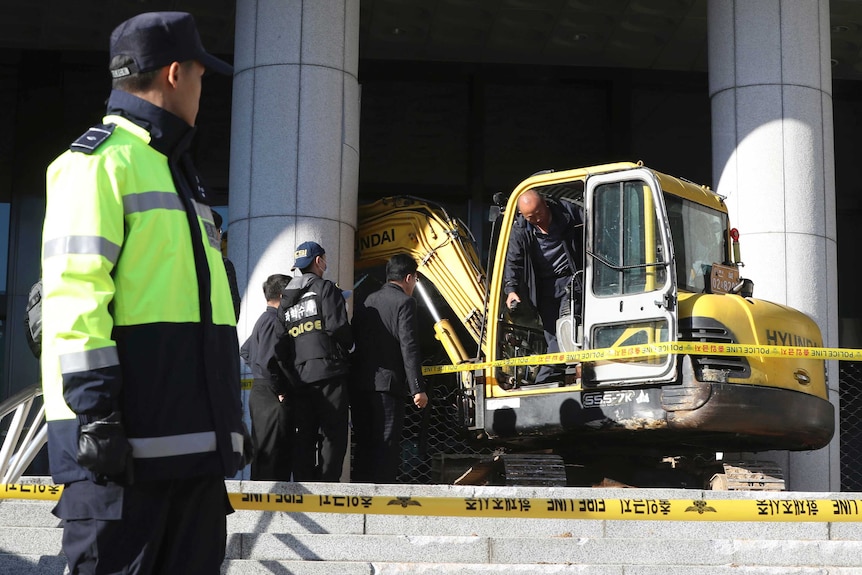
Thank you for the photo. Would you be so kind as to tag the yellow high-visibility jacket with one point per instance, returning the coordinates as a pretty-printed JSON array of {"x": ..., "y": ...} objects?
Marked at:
[{"x": 137, "y": 312}]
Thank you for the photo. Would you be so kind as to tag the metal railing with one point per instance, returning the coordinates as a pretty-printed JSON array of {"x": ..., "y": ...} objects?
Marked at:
[{"x": 17, "y": 453}]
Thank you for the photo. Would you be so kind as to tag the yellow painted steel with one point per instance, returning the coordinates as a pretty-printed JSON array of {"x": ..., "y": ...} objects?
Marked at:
[
  {"x": 442, "y": 246},
  {"x": 694, "y": 509},
  {"x": 445, "y": 334}
]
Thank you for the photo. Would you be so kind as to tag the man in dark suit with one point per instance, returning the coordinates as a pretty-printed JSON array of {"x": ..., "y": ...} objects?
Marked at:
[{"x": 389, "y": 370}]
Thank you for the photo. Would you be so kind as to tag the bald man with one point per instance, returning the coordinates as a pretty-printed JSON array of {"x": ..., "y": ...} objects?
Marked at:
[{"x": 541, "y": 260}]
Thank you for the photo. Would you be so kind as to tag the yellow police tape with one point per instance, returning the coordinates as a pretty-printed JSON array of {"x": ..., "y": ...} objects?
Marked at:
[
  {"x": 648, "y": 350},
  {"x": 772, "y": 510}
]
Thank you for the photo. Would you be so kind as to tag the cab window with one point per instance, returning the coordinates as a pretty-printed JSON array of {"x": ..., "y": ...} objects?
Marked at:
[{"x": 626, "y": 241}]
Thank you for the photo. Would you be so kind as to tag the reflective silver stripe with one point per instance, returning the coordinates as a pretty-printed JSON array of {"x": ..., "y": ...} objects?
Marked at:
[
  {"x": 82, "y": 245},
  {"x": 134, "y": 203},
  {"x": 171, "y": 445},
  {"x": 236, "y": 439},
  {"x": 89, "y": 360},
  {"x": 205, "y": 213}
]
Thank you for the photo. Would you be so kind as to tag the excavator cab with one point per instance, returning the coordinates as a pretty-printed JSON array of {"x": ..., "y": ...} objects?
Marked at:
[{"x": 623, "y": 292}]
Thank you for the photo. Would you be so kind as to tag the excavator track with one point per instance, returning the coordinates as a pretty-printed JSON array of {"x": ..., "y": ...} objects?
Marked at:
[
  {"x": 527, "y": 469},
  {"x": 540, "y": 470}
]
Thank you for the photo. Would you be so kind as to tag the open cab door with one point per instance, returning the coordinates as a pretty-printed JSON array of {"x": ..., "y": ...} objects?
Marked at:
[{"x": 629, "y": 281}]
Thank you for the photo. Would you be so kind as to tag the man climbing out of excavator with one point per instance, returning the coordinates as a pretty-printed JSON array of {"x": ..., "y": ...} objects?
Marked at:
[{"x": 541, "y": 266}]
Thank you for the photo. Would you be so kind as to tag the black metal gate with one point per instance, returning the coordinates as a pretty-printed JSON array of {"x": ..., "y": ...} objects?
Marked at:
[
  {"x": 434, "y": 448},
  {"x": 850, "y": 424}
]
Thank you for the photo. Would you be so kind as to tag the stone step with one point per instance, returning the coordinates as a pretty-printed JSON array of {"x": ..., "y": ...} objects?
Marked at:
[
  {"x": 543, "y": 550},
  {"x": 30, "y": 541},
  {"x": 32, "y": 564},
  {"x": 495, "y": 550},
  {"x": 293, "y": 568},
  {"x": 55, "y": 565},
  {"x": 20, "y": 513}
]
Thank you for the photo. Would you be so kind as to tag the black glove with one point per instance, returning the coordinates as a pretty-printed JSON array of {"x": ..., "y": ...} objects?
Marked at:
[
  {"x": 104, "y": 449},
  {"x": 248, "y": 447}
]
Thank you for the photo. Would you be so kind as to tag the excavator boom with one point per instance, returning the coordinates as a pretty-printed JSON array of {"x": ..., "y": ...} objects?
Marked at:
[{"x": 442, "y": 246}]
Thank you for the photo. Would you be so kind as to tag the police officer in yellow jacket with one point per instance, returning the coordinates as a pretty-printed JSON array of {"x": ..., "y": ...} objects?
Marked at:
[{"x": 140, "y": 363}]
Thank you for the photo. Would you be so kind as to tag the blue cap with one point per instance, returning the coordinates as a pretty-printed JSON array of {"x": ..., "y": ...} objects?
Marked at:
[
  {"x": 156, "y": 39},
  {"x": 305, "y": 254}
]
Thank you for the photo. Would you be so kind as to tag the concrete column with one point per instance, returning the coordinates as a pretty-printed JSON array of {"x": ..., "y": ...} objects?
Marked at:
[
  {"x": 770, "y": 83},
  {"x": 37, "y": 109},
  {"x": 294, "y": 169}
]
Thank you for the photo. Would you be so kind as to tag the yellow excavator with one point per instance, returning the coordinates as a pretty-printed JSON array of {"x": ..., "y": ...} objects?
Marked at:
[{"x": 658, "y": 262}]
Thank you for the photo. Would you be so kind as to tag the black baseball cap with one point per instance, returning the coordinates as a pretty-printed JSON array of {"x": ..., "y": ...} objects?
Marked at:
[
  {"x": 305, "y": 254},
  {"x": 156, "y": 39}
]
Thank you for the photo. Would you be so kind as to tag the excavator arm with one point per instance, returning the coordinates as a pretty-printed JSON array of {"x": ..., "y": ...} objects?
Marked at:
[{"x": 445, "y": 251}]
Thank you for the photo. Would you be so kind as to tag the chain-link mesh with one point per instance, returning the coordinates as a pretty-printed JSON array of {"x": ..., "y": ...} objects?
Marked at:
[
  {"x": 433, "y": 446},
  {"x": 850, "y": 399}
]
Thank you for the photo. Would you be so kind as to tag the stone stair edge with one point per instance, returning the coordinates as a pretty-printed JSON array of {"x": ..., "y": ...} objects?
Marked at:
[
  {"x": 440, "y": 490},
  {"x": 251, "y": 567},
  {"x": 54, "y": 565}
]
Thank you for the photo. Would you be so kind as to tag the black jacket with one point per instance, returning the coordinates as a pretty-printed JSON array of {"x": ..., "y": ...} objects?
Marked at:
[
  {"x": 234, "y": 288},
  {"x": 317, "y": 338},
  {"x": 519, "y": 274},
  {"x": 388, "y": 356},
  {"x": 259, "y": 349}
]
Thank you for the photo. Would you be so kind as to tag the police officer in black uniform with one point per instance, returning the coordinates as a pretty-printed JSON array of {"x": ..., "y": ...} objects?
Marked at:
[{"x": 313, "y": 355}]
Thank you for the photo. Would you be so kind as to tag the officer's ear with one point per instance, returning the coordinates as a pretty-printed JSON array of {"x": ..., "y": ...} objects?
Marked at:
[
  {"x": 321, "y": 262},
  {"x": 172, "y": 72}
]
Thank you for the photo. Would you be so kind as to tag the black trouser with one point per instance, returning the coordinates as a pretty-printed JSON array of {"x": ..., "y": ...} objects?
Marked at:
[
  {"x": 378, "y": 423},
  {"x": 273, "y": 433},
  {"x": 320, "y": 408},
  {"x": 170, "y": 526},
  {"x": 550, "y": 301}
]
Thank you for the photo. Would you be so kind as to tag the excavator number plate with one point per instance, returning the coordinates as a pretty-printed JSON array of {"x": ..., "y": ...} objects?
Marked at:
[{"x": 722, "y": 279}]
